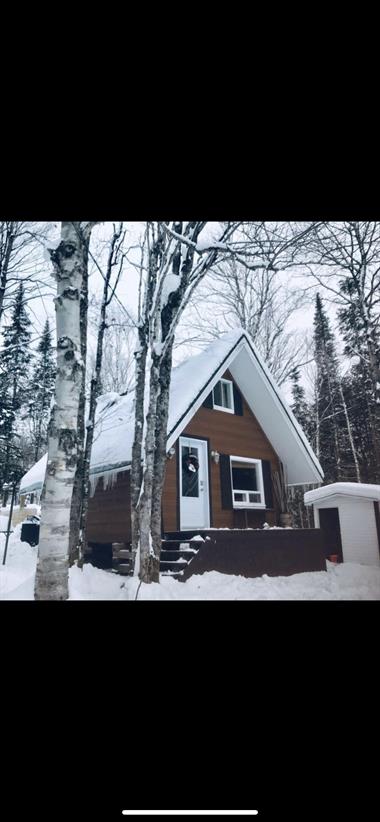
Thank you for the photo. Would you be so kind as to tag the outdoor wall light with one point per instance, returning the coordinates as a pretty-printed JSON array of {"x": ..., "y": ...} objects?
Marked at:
[
  {"x": 216, "y": 456},
  {"x": 170, "y": 453}
]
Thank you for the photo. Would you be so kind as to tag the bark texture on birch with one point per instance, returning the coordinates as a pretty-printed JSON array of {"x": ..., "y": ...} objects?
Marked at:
[
  {"x": 76, "y": 502},
  {"x": 149, "y": 561},
  {"x": 136, "y": 468},
  {"x": 159, "y": 468},
  {"x": 70, "y": 268}
]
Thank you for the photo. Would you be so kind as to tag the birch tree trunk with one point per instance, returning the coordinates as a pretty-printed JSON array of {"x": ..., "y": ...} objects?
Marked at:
[
  {"x": 136, "y": 467},
  {"x": 140, "y": 506},
  {"x": 70, "y": 269},
  {"x": 149, "y": 560},
  {"x": 147, "y": 513},
  {"x": 76, "y": 502},
  {"x": 159, "y": 468}
]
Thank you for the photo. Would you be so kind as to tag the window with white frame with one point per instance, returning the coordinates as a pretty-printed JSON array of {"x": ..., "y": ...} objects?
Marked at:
[
  {"x": 223, "y": 396},
  {"x": 247, "y": 483}
]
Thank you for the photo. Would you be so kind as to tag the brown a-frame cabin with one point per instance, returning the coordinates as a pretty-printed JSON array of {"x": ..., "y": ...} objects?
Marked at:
[{"x": 229, "y": 430}]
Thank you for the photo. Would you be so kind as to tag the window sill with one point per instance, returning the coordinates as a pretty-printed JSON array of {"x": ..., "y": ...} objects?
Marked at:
[
  {"x": 245, "y": 505},
  {"x": 221, "y": 408}
]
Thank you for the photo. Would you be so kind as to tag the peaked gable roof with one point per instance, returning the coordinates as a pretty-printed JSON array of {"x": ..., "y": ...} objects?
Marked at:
[
  {"x": 191, "y": 383},
  {"x": 236, "y": 352}
]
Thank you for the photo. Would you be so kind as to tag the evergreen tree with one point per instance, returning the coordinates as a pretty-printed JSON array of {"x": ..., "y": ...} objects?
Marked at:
[
  {"x": 301, "y": 410},
  {"x": 328, "y": 404},
  {"x": 351, "y": 252},
  {"x": 15, "y": 357},
  {"x": 299, "y": 406},
  {"x": 42, "y": 390}
]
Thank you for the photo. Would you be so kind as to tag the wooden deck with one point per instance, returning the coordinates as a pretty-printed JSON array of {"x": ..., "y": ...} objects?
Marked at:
[
  {"x": 254, "y": 553},
  {"x": 244, "y": 552}
]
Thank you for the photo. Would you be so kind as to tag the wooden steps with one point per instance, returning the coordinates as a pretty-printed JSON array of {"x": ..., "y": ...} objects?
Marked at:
[
  {"x": 176, "y": 554},
  {"x": 123, "y": 559}
]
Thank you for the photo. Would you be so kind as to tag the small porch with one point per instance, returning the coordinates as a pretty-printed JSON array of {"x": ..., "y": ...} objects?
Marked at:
[{"x": 245, "y": 552}]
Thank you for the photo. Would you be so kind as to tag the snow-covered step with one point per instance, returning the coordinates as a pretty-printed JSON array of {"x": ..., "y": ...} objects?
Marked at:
[
  {"x": 174, "y": 574},
  {"x": 176, "y": 553},
  {"x": 174, "y": 544},
  {"x": 176, "y": 565},
  {"x": 173, "y": 555}
]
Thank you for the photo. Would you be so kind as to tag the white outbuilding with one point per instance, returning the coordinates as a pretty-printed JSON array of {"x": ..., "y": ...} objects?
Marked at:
[{"x": 349, "y": 515}]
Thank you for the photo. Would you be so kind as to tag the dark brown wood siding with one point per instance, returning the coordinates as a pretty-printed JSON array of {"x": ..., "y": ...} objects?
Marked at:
[
  {"x": 109, "y": 512},
  {"x": 228, "y": 434}
]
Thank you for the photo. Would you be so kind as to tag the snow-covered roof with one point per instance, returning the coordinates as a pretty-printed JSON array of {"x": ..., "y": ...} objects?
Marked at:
[
  {"x": 191, "y": 382},
  {"x": 33, "y": 479},
  {"x": 343, "y": 489},
  {"x": 236, "y": 351}
]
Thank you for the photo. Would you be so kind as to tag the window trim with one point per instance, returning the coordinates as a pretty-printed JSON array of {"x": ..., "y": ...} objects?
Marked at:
[
  {"x": 260, "y": 481},
  {"x": 231, "y": 392}
]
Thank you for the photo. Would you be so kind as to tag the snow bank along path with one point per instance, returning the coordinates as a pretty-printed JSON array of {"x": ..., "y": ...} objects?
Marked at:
[{"x": 347, "y": 581}]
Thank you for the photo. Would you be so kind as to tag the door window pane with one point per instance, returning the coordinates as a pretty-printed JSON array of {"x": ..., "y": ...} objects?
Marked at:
[{"x": 190, "y": 472}]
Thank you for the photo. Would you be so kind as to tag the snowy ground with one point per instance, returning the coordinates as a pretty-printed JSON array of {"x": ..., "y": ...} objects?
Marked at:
[{"x": 347, "y": 581}]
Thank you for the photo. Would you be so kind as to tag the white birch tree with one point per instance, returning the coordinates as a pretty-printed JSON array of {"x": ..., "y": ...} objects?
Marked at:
[{"x": 70, "y": 266}]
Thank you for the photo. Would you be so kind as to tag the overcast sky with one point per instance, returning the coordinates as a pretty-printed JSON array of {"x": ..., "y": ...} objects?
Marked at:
[{"x": 42, "y": 307}]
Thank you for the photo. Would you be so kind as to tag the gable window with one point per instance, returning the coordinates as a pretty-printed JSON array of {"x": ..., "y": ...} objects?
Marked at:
[
  {"x": 223, "y": 396},
  {"x": 247, "y": 483}
]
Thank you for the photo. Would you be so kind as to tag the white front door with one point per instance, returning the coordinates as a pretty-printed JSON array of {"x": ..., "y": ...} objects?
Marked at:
[{"x": 193, "y": 484}]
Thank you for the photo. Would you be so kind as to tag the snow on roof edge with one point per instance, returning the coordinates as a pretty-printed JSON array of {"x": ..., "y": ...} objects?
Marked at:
[
  {"x": 288, "y": 411},
  {"x": 236, "y": 337},
  {"x": 344, "y": 489}
]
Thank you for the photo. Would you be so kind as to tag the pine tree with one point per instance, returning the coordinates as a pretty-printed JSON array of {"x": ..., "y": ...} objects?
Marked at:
[
  {"x": 300, "y": 407},
  {"x": 42, "y": 390},
  {"x": 301, "y": 410},
  {"x": 15, "y": 358},
  {"x": 351, "y": 252},
  {"x": 328, "y": 404}
]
